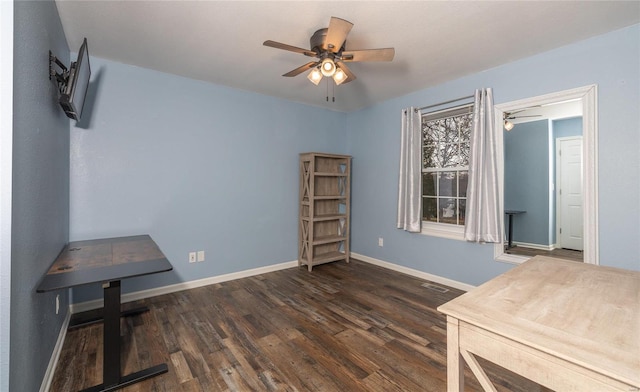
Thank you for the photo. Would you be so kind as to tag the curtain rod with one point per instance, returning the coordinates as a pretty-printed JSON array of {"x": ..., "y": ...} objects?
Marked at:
[{"x": 446, "y": 102}]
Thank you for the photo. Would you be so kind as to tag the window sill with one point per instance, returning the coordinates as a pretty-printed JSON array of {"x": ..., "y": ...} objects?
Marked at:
[{"x": 443, "y": 231}]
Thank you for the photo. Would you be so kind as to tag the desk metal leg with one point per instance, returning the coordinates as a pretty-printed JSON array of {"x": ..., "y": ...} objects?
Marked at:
[
  {"x": 111, "y": 363},
  {"x": 111, "y": 371},
  {"x": 510, "y": 239},
  {"x": 83, "y": 321},
  {"x": 131, "y": 379}
]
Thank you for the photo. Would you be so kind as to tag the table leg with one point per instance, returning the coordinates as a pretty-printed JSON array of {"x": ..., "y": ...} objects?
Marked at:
[
  {"x": 79, "y": 321},
  {"x": 455, "y": 363},
  {"x": 112, "y": 378},
  {"x": 510, "y": 239},
  {"x": 111, "y": 363}
]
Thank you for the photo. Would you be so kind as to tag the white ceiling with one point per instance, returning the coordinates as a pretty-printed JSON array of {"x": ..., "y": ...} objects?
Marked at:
[{"x": 435, "y": 41}]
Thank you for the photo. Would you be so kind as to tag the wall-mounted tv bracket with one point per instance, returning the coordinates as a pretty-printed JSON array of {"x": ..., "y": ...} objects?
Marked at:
[{"x": 61, "y": 77}]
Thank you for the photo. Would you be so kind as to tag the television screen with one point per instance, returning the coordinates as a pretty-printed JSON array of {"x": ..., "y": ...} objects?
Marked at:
[{"x": 72, "y": 100}]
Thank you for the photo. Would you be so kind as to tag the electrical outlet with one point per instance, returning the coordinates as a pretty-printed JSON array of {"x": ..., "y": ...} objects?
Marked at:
[
  {"x": 57, "y": 303},
  {"x": 201, "y": 255},
  {"x": 192, "y": 257},
  {"x": 380, "y": 241}
]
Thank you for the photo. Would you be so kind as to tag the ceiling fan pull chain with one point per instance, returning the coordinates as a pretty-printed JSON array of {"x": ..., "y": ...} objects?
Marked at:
[{"x": 327, "y": 84}]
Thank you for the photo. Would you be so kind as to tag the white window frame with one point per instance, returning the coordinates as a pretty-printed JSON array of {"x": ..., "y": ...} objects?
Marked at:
[{"x": 435, "y": 229}]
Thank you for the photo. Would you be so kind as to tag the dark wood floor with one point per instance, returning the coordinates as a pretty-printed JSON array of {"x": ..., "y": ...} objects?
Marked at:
[
  {"x": 342, "y": 327},
  {"x": 568, "y": 254}
]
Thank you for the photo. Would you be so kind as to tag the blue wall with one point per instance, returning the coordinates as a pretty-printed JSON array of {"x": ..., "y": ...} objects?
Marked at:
[
  {"x": 40, "y": 194},
  {"x": 612, "y": 61},
  {"x": 567, "y": 127},
  {"x": 526, "y": 181},
  {"x": 195, "y": 165}
]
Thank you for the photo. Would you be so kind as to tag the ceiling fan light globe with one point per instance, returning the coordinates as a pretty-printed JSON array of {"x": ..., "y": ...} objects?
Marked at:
[
  {"x": 315, "y": 76},
  {"x": 328, "y": 67},
  {"x": 508, "y": 125},
  {"x": 339, "y": 76}
]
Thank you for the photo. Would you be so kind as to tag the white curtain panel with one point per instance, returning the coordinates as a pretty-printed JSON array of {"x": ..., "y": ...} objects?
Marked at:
[
  {"x": 409, "y": 183},
  {"x": 483, "y": 223}
]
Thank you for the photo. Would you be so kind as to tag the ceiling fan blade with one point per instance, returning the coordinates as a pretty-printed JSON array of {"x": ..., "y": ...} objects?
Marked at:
[
  {"x": 385, "y": 54},
  {"x": 337, "y": 34},
  {"x": 301, "y": 69},
  {"x": 534, "y": 115},
  {"x": 290, "y": 48},
  {"x": 524, "y": 110},
  {"x": 511, "y": 117},
  {"x": 347, "y": 71}
]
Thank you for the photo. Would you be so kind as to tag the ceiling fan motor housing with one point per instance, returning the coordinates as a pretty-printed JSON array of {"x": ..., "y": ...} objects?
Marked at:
[{"x": 318, "y": 43}]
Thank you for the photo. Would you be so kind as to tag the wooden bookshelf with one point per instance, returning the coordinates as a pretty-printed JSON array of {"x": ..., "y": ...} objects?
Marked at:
[{"x": 324, "y": 210}]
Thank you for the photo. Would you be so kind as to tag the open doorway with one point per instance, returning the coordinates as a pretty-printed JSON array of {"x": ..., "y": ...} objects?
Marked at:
[
  {"x": 543, "y": 181},
  {"x": 529, "y": 111}
]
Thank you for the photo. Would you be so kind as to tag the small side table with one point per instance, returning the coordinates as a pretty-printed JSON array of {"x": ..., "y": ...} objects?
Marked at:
[{"x": 511, "y": 213}]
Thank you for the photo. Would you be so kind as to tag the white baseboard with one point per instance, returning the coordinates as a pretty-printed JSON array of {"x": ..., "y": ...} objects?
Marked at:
[
  {"x": 534, "y": 246},
  {"x": 90, "y": 305},
  {"x": 129, "y": 297},
  {"x": 55, "y": 355},
  {"x": 413, "y": 272}
]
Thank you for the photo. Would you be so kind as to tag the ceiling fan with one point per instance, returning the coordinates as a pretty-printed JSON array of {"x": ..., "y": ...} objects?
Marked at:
[
  {"x": 508, "y": 125},
  {"x": 328, "y": 46}
]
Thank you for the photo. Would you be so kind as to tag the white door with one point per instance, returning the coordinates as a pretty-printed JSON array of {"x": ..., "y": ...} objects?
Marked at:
[{"x": 569, "y": 221}]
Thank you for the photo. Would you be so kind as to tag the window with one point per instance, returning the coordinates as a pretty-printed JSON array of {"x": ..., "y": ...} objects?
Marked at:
[{"x": 445, "y": 169}]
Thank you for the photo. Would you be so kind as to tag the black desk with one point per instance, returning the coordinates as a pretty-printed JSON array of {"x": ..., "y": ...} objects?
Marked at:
[
  {"x": 108, "y": 261},
  {"x": 511, "y": 213}
]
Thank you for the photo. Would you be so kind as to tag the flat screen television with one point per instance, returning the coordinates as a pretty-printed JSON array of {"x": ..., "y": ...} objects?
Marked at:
[{"x": 73, "y": 98}]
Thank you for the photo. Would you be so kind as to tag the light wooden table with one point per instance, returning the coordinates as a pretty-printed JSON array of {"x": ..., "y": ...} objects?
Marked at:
[{"x": 566, "y": 325}]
